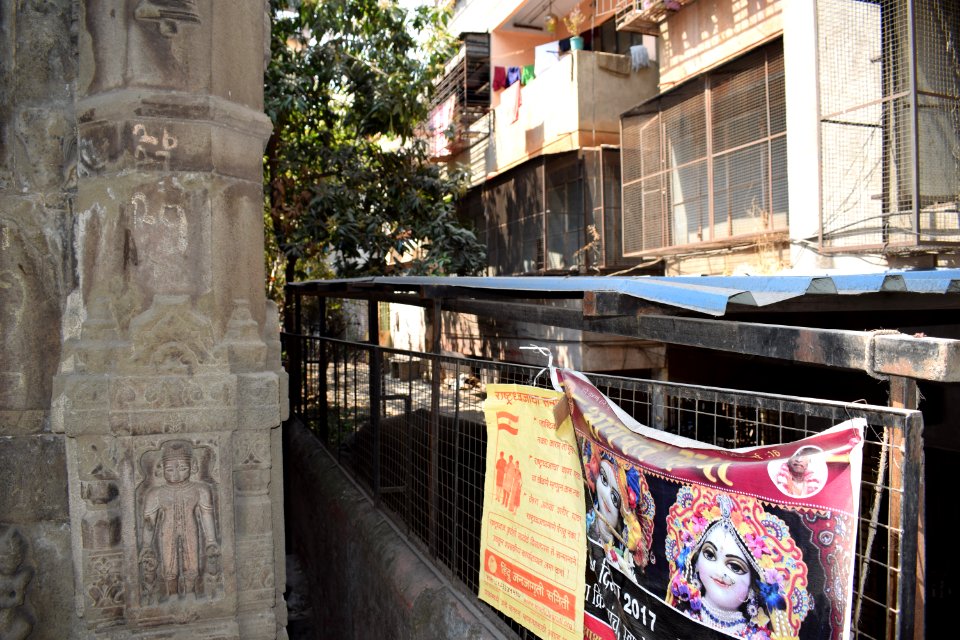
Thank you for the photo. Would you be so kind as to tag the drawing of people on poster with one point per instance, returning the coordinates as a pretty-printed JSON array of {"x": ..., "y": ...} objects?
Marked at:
[{"x": 516, "y": 489}]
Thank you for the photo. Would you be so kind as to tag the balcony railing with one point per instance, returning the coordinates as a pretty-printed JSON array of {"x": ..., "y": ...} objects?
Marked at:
[
  {"x": 461, "y": 96},
  {"x": 645, "y": 16}
]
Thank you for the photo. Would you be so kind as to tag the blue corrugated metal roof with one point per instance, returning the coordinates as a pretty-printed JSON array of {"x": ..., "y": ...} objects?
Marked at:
[{"x": 705, "y": 294}]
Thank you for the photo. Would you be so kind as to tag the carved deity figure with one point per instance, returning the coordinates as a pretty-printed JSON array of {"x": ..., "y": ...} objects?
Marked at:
[
  {"x": 178, "y": 531},
  {"x": 15, "y": 621}
]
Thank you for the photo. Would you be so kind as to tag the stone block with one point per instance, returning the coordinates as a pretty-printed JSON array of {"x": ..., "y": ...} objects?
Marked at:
[
  {"x": 22, "y": 423},
  {"x": 45, "y": 62},
  {"x": 49, "y": 597},
  {"x": 237, "y": 220},
  {"x": 259, "y": 395},
  {"x": 30, "y": 291},
  {"x": 33, "y": 475},
  {"x": 260, "y": 625},
  {"x": 253, "y": 516},
  {"x": 238, "y": 71},
  {"x": 45, "y": 141}
]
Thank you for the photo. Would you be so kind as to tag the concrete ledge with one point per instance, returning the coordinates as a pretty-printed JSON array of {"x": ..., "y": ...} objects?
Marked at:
[{"x": 366, "y": 580}]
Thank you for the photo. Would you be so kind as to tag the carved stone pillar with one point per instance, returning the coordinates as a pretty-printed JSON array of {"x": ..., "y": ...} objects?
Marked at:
[{"x": 169, "y": 389}]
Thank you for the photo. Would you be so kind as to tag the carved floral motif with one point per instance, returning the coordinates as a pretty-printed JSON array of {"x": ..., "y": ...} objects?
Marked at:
[
  {"x": 106, "y": 583},
  {"x": 172, "y": 338}
]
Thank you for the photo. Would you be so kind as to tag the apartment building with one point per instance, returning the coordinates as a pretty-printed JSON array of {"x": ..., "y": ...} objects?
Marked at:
[{"x": 702, "y": 137}]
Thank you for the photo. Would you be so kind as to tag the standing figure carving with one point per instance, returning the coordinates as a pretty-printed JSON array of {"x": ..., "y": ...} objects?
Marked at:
[
  {"x": 15, "y": 621},
  {"x": 178, "y": 541}
]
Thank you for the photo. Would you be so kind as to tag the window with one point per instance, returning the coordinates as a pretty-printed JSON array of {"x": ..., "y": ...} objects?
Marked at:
[
  {"x": 555, "y": 214},
  {"x": 708, "y": 161}
]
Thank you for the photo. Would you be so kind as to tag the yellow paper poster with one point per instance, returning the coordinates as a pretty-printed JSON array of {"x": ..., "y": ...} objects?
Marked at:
[{"x": 533, "y": 537}]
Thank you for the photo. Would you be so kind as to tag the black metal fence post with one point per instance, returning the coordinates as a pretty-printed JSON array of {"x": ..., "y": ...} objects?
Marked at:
[
  {"x": 294, "y": 346},
  {"x": 324, "y": 425},
  {"x": 433, "y": 322},
  {"x": 373, "y": 337}
]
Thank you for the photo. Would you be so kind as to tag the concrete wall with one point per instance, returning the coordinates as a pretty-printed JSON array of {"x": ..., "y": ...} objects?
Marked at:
[
  {"x": 366, "y": 581},
  {"x": 575, "y": 103},
  {"x": 707, "y": 33}
]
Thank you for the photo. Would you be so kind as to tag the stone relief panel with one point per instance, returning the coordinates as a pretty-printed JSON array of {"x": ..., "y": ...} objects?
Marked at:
[
  {"x": 16, "y": 619},
  {"x": 179, "y": 541},
  {"x": 172, "y": 338},
  {"x": 169, "y": 15},
  {"x": 97, "y": 467},
  {"x": 163, "y": 49},
  {"x": 104, "y": 588}
]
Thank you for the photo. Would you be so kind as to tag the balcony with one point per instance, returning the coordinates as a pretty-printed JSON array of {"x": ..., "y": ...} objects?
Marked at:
[
  {"x": 645, "y": 16},
  {"x": 573, "y": 103},
  {"x": 461, "y": 98}
]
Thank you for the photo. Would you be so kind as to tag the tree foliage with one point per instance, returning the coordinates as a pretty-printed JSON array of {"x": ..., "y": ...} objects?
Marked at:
[{"x": 347, "y": 181}]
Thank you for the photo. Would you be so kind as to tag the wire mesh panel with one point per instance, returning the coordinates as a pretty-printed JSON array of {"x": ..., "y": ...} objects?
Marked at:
[
  {"x": 514, "y": 206},
  {"x": 889, "y": 87},
  {"x": 410, "y": 427},
  {"x": 707, "y": 161}
]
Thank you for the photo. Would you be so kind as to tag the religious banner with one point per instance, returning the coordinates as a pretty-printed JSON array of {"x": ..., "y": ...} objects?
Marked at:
[
  {"x": 533, "y": 534},
  {"x": 687, "y": 540}
]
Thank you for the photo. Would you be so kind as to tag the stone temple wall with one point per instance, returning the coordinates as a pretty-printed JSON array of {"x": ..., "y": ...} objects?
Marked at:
[{"x": 140, "y": 379}]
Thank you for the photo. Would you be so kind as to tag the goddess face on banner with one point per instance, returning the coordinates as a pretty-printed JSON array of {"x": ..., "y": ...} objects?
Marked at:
[
  {"x": 623, "y": 510},
  {"x": 734, "y": 567}
]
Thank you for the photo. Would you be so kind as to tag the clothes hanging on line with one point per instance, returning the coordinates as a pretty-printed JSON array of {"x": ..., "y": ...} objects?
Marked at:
[
  {"x": 639, "y": 57},
  {"x": 527, "y": 74},
  {"x": 499, "y": 78},
  {"x": 510, "y": 98},
  {"x": 513, "y": 75}
]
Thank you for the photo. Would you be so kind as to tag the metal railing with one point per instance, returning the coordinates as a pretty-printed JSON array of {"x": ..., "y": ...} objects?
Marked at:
[{"x": 410, "y": 427}]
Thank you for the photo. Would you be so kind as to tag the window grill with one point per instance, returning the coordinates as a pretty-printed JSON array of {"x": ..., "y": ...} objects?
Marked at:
[
  {"x": 889, "y": 86},
  {"x": 465, "y": 85},
  {"x": 537, "y": 217},
  {"x": 603, "y": 198},
  {"x": 409, "y": 426},
  {"x": 707, "y": 162}
]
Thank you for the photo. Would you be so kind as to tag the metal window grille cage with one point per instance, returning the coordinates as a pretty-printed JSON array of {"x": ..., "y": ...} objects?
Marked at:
[
  {"x": 708, "y": 160},
  {"x": 889, "y": 87},
  {"x": 535, "y": 218},
  {"x": 410, "y": 427}
]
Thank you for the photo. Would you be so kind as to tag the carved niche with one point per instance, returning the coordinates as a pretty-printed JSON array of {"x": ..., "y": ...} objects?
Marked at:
[{"x": 178, "y": 531}]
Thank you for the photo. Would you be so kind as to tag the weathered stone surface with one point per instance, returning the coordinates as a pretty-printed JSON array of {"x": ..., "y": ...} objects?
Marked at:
[
  {"x": 45, "y": 50},
  {"x": 31, "y": 281},
  {"x": 133, "y": 323},
  {"x": 49, "y": 599},
  {"x": 33, "y": 475},
  {"x": 21, "y": 423}
]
